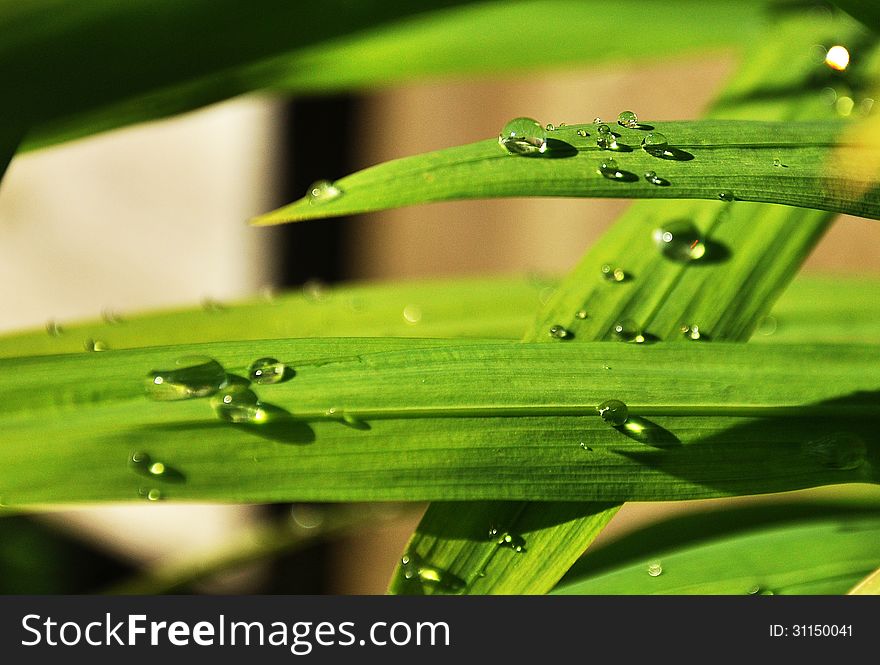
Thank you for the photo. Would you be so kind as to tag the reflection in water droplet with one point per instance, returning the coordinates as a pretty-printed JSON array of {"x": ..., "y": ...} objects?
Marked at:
[
  {"x": 412, "y": 314},
  {"x": 54, "y": 328},
  {"x": 837, "y": 58},
  {"x": 237, "y": 404},
  {"x": 628, "y": 331},
  {"x": 195, "y": 376},
  {"x": 608, "y": 168},
  {"x": 523, "y": 136},
  {"x": 612, "y": 274},
  {"x": 680, "y": 240},
  {"x": 628, "y": 119},
  {"x": 322, "y": 191},
  {"x": 95, "y": 345},
  {"x": 417, "y": 569},
  {"x": 613, "y": 411},
  {"x": 268, "y": 371},
  {"x": 559, "y": 332},
  {"x": 691, "y": 331},
  {"x": 841, "y": 451},
  {"x": 655, "y": 569}
]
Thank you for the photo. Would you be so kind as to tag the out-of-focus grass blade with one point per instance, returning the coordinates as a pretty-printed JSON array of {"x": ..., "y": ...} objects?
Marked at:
[
  {"x": 406, "y": 419},
  {"x": 866, "y": 11},
  {"x": 869, "y": 586},
  {"x": 110, "y": 70},
  {"x": 772, "y": 162},
  {"x": 9, "y": 140},
  {"x": 495, "y": 308},
  {"x": 792, "y": 548},
  {"x": 727, "y": 298}
]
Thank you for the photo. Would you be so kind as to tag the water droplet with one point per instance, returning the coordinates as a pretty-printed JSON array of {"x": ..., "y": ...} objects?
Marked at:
[
  {"x": 307, "y": 516},
  {"x": 777, "y": 162},
  {"x": 680, "y": 240},
  {"x": 628, "y": 331},
  {"x": 151, "y": 493},
  {"x": 581, "y": 314},
  {"x": 608, "y": 168},
  {"x": 412, "y": 314},
  {"x": 655, "y": 143},
  {"x": 817, "y": 53},
  {"x": 767, "y": 325},
  {"x": 691, "y": 331},
  {"x": 837, "y": 58},
  {"x": 195, "y": 376},
  {"x": 322, "y": 191},
  {"x": 417, "y": 569},
  {"x": 613, "y": 411},
  {"x": 550, "y": 127},
  {"x": 54, "y": 328},
  {"x": 844, "y": 106},
  {"x": 628, "y": 119},
  {"x": 238, "y": 404},
  {"x": 586, "y": 447},
  {"x": 842, "y": 451},
  {"x": 655, "y": 569},
  {"x": 508, "y": 540},
  {"x": 605, "y": 138},
  {"x": 268, "y": 371},
  {"x": 315, "y": 290},
  {"x": 559, "y": 332},
  {"x": 758, "y": 590},
  {"x": 597, "y": 120},
  {"x": 726, "y": 195},
  {"x": 866, "y": 106},
  {"x": 612, "y": 274},
  {"x": 523, "y": 136},
  {"x": 582, "y": 133},
  {"x": 95, "y": 345},
  {"x": 653, "y": 178}
]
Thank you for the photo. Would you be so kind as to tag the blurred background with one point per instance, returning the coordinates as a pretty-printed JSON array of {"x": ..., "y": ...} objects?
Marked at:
[{"x": 155, "y": 216}]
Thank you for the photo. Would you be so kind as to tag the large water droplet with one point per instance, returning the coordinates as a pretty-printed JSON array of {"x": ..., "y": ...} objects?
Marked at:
[
  {"x": 412, "y": 314},
  {"x": 195, "y": 376},
  {"x": 612, "y": 273},
  {"x": 268, "y": 371},
  {"x": 655, "y": 569},
  {"x": 238, "y": 404},
  {"x": 95, "y": 345},
  {"x": 613, "y": 411},
  {"x": 417, "y": 569},
  {"x": 322, "y": 191},
  {"x": 523, "y": 136},
  {"x": 655, "y": 143},
  {"x": 628, "y": 119},
  {"x": 628, "y": 331},
  {"x": 680, "y": 241},
  {"x": 608, "y": 167},
  {"x": 842, "y": 451},
  {"x": 560, "y": 332}
]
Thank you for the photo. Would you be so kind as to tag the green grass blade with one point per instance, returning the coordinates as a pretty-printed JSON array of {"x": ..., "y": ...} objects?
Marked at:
[
  {"x": 467, "y": 421},
  {"x": 791, "y": 548},
  {"x": 498, "y": 307},
  {"x": 865, "y": 11},
  {"x": 283, "y": 48},
  {"x": 727, "y": 298},
  {"x": 869, "y": 586},
  {"x": 712, "y": 157}
]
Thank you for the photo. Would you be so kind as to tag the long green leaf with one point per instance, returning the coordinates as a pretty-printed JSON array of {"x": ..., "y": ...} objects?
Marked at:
[
  {"x": 791, "y": 548},
  {"x": 803, "y": 164},
  {"x": 727, "y": 298},
  {"x": 134, "y": 77},
  {"x": 426, "y": 419},
  {"x": 869, "y": 586}
]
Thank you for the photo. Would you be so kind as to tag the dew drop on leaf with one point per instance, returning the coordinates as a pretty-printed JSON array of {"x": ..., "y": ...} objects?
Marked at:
[
  {"x": 613, "y": 411},
  {"x": 612, "y": 273},
  {"x": 628, "y": 119},
  {"x": 628, "y": 331},
  {"x": 266, "y": 371},
  {"x": 655, "y": 143},
  {"x": 609, "y": 168},
  {"x": 415, "y": 568},
  {"x": 322, "y": 191},
  {"x": 523, "y": 136},
  {"x": 582, "y": 133},
  {"x": 560, "y": 332},
  {"x": 726, "y": 195},
  {"x": 194, "y": 376},
  {"x": 605, "y": 138},
  {"x": 655, "y": 569},
  {"x": 691, "y": 331},
  {"x": 680, "y": 240},
  {"x": 95, "y": 345},
  {"x": 238, "y": 404}
]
